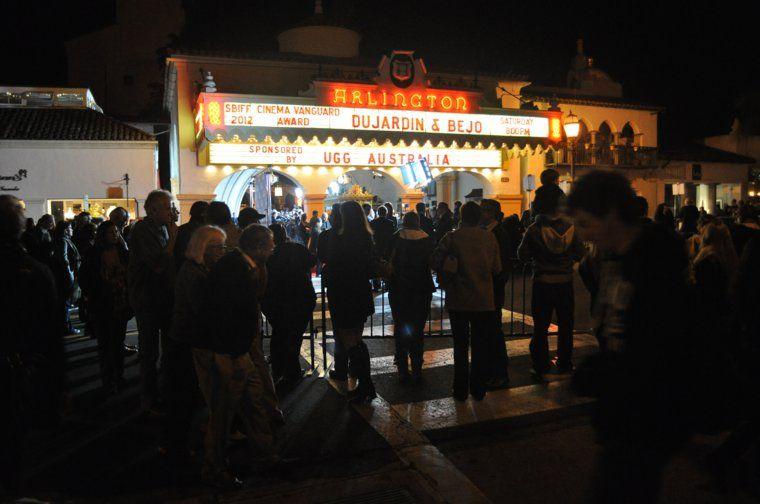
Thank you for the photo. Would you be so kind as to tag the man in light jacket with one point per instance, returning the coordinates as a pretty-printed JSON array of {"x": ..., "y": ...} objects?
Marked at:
[{"x": 469, "y": 297}]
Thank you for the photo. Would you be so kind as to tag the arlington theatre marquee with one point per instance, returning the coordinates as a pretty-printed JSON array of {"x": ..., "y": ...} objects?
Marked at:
[{"x": 393, "y": 120}]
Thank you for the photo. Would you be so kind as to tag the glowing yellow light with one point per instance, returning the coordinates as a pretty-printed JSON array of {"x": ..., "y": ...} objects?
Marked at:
[
  {"x": 395, "y": 170},
  {"x": 497, "y": 172},
  {"x": 292, "y": 170},
  {"x": 322, "y": 170},
  {"x": 227, "y": 169},
  {"x": 307, "y": 170},
  {"x": 486, "y": 172},
  {"x": 211, "y": 169},
  {"x": 214, "y": 113},
  {"x": 337, "y": 170},
  {"x": 435, "y": 172}
]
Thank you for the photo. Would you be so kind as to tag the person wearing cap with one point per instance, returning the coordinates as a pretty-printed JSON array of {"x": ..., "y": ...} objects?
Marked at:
[{"x": 249, "y": 216}]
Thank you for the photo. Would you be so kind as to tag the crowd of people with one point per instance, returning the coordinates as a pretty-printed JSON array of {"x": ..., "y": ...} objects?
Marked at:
[{"x": 198, "y": 292}]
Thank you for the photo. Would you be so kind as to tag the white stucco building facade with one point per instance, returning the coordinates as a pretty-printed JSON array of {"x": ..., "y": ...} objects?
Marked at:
[{"x": 64, "y": 158}]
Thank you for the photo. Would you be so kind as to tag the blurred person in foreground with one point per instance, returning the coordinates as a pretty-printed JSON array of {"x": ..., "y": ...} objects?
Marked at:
[
  {"x": 640, "y": 378},
  {"x": 31, "y": 347}
]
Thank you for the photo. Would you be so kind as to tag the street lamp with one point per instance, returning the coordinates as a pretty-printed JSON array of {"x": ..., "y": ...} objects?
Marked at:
[{"x": 572, "y": 128}]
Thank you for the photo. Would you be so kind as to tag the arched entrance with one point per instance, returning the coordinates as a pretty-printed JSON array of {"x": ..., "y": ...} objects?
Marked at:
[
  {"x": 459, "y": 185},
  {"x": 241, "y": 187}
]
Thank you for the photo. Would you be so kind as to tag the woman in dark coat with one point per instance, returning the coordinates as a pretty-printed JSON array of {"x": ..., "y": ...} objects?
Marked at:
[
  {"x": 103, "y": 279},
  {"x": 410, "y": 293},
  {"x": 288, "y": 303},
  {"x": 349, "y": 294},
  {"x": 187, "y": 365}
]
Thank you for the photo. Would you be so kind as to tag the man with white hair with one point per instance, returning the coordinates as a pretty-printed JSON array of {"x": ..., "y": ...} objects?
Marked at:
[{"x": 150, "y": 278}]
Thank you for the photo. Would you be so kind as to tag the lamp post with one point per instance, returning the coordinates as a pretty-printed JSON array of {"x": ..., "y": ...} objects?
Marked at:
[{"x": 572, "y": 128}]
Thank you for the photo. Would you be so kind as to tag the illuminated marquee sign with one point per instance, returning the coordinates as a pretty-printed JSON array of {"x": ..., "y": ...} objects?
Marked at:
[
  {"x": 321, "y": 155},
  {"x": 280, "y": 115},
  {"x": 401, "y": 83}
]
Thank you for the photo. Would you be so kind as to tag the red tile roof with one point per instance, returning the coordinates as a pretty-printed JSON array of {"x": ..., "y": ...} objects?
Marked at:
[{"x": 65, "y": 124}]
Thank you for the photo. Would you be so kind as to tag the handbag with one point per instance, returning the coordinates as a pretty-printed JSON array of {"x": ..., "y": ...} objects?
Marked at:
[{"x": 449, "y": 266}]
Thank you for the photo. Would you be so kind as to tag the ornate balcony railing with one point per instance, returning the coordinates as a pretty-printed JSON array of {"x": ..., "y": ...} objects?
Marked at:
[{"x": 624, "y": 156}]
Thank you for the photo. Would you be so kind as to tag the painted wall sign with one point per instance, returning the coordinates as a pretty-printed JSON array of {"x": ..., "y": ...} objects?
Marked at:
[
  {"x": 321, "y": 155},
  {"x": 16, "y": 177},
  {"x": 281, "y": 115}
]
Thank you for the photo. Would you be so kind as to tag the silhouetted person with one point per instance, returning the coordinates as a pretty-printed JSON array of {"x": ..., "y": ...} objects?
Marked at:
[
  {"x": 663, "y": 216},
  {"x": 103, "y": 280},
  {"x": 390, "y": 215},
  {"x": 248, "y": 216},
  {"x": 243, "y": 383},
  {"x": 218, "y": 214},
  {"x": 497, "y": 373},
  {"x": 340, "y": 368},
  {"x": 383, "y": 229},
  {"x": 444, "y": 221},
  {"x": 185, "y": 231},
  {"x": 350, "y": 262},
  {"x": 150, "y": 279},
  {"x": 288, "y": 303},
  {"x": 42, "y": 249},
  {"x": 188, "y": 332},
  {"x": 410, "y": 292},
  {"x": 689, "y": 216},
  {"x": 426, "y": 223}
]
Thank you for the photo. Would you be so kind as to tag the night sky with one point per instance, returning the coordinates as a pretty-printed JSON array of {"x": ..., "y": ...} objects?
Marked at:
[{"x": 696, "y": 62}]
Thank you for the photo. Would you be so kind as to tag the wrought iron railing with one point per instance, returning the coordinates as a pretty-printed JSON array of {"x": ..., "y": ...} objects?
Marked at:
[
  {"x": 605, "y": 155},
  {"x": 517, "y": 322}
]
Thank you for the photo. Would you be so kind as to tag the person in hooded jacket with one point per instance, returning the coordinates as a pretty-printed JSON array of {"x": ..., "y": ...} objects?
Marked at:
[
  {"x": 553, "y": 247},
  {"x": 410, "y": 293}
]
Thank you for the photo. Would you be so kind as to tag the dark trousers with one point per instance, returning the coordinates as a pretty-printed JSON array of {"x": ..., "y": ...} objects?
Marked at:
[
  {"x": 549, "y": 298},
  {"x": 153, "y": 333},
  {"x": 470, "y": 329},
  {"x": 498, "y": 360},
  {"x": 410, "y": 311},
  {"x": 181, "y": 387},
  {"x": 285, "y": 347},
  {"x": 110, "y": 332}
]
